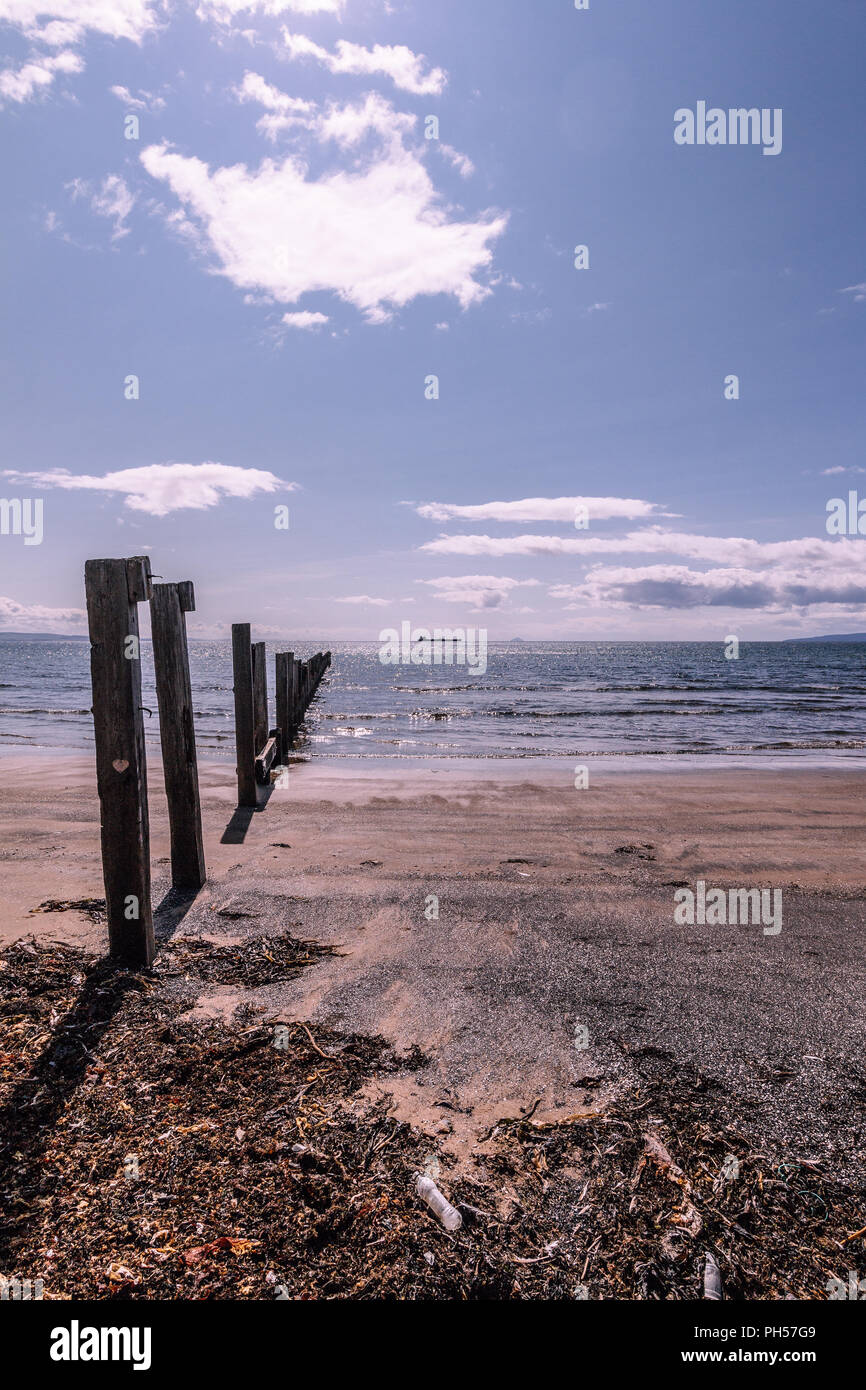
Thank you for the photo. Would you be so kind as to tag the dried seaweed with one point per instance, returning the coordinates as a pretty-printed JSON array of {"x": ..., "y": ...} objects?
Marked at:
[{"x": 147, "y": 1154}]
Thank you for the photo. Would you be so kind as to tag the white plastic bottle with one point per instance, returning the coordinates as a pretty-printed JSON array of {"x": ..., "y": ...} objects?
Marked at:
[{"x": 439, "y": 1205}]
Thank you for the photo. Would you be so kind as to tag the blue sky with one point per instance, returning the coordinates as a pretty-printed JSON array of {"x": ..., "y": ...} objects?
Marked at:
[{"x": 283, "y": 259}]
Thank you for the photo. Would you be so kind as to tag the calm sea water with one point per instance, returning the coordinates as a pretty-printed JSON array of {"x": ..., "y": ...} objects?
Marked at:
[{"x": 546, "y": 699}]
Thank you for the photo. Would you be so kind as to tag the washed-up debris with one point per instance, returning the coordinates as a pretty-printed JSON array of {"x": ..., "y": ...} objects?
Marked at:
[
  {"x": 147, "y": 1154},
  {"x": 644, "y": 851},
  {"x": 94, "y": 908},
  {"x": 438, "y": 1204},
  {"x": 712, "y": 1279},
  {"x": 258, "y": 961}
]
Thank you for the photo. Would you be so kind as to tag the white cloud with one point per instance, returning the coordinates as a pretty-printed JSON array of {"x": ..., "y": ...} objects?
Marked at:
[
  {"x": 58, "y": 23},
  {"x": 22, "y": 84},
  {"x": 35, "y": 617},
  {"x": 858, "y": 291},
  {"x": 405, "y": 68},
  {"x": 377, "y": 235},
  {"x": 119, "y": 19},
  {"x": 112, "y": 200},
  {"x": 542, "y": 509},
  {"x": 365, "y": 599},
  {"x": 304, "y": 318},
  {"x": 840, "y": 468},
  {"x": 730, "y": 549},
  {"x": 145, "y": 101},
  {"x": 483, "y": 591},
  {"x": 462, "y": 163},
  {"x": 676, "y": 586},
  {"x": 224, "y": 11},
  {"x": 161, "y": 488}
]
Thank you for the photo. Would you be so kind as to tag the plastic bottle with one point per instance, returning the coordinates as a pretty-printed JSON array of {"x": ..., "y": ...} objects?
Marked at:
[{"x": 439, "y": 1205}]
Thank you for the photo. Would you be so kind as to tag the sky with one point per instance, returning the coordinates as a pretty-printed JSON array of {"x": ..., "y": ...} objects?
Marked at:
[{"x": 321, "y": 255}]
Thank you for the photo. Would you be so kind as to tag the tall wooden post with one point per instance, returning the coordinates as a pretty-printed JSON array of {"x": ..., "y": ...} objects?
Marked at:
[
  {"x": 285, "y": 662},
  {"x": 168, "y": 605},
  {"x": 260, "y": 695},
  {"x": 114, "y": 588},
  {"x": 242, "y": 664},
  {"x": 295, "y": 711}
]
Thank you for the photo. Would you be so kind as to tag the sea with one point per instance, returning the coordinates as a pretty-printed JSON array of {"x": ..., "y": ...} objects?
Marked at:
[{"x": 535, "y": 700}]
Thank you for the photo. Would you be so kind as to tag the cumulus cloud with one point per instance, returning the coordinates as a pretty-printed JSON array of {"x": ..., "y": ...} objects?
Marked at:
[
  {"x": 480, "y": 590},
  {"x": 305, "y": 318},
  {"x": 857, "y": 291},
  {"x": 676, "y": 586},
  {"x": 542, "y": 509},
  {"x": 52, "y": 21},
  {"x": 35, "y": 617},
  {"x": 377, "y": 235},
  {"x": 63, "y": 24},
  {"x": 37, "y": 75},
  {"x": 161, "y": 488},
  {"x": 407, "y": 70}
]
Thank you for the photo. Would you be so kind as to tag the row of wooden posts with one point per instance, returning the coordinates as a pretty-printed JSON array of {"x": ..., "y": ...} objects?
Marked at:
[
  {"x": 114, "y": 590},
  {"x": 260, "y": 747}
]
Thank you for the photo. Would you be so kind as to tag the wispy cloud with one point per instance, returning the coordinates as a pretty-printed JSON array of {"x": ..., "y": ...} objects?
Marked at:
[
  {"x": 543, "y": 509},
  {"x": 857, "y": 291},
  {"x": 112, "y": 199},
  {"x": 161, "y": 488},
  {"x": 654, "y": 540},
  {"x": 224, "y": 11},
  {"x": 482, "y": 591},
  {"x": 407, "y": 70},
  {"x": 365, "y": 599},
  {"x": 145, "y": 101}
]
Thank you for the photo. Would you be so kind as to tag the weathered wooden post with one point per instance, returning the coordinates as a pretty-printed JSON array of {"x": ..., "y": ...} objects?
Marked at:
[
  {"x": 260, "y": 695},
  {"x": 168, "y": 604},
  {"x": 114, "y": 588},
  {"x": 295, "y": 696},
  {"x": 242, "y": 664},
  {"x": 285, "y": 662}
]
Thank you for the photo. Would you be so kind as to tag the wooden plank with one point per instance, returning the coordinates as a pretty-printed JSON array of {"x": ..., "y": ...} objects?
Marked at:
[
  {"x": 168, "y": 604},
  {"x": 260, "y": 694},
  {"x": 269, "y": 755},
  {"x": 242, "y": 664},
  {"x": 114, "y": 588}
]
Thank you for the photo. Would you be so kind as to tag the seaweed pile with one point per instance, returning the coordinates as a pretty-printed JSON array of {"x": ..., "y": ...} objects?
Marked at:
[{"x": 145, "y": 1153}]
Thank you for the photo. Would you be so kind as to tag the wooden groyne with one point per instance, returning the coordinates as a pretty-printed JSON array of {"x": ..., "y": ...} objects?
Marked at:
[
  {"x": 114, "y": 589},
  {"x": 259, "y": 745}
]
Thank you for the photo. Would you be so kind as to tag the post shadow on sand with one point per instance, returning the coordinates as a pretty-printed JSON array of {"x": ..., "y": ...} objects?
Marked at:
[
  {"x": 170, "y": 912},
  {"x": 31, "y": 1113},
  {"x": 236, "y": 830}
]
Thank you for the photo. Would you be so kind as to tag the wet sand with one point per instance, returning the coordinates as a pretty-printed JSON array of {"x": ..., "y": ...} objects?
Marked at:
[{"x": 554, "y": 973}]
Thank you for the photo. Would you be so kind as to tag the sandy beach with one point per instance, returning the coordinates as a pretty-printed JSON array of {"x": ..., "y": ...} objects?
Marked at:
[{"x": 485, "y": 912}]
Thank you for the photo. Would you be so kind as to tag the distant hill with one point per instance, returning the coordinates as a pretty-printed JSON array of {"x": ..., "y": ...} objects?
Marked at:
[
  {"x": 43, "y": 637},
  {"x": 833, "y": 637}
]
